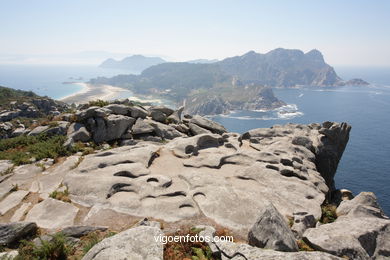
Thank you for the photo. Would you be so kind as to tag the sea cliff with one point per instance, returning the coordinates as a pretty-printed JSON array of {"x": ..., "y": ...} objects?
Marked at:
[{"x": 148, "y": 171}]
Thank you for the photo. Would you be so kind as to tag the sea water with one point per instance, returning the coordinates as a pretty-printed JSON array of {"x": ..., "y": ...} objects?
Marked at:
[
  {"x": 365, "y": 165},
  {"x": 53, "y": 81}
]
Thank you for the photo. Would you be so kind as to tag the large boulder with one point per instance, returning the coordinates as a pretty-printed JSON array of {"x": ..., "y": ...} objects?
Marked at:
[
  {"x": 165, "y": 110},
  {"x": 271, "y": 231},
  {"x": 142, "y": 126},
  {"x": 12, "y": 233},
  {"x": 119, "y": 109},
  {"x": 208, "y": 124},
  {"x": 38, "y": 130},
  {"x": 6, "y": 129},
  {"x": 360, "y": 232},
  {"x": 110, "y": 128},
  {"x": 20, "y": 130},
  {"x": 364, "y": 204},
  {"x": 138, "y": 243},
  {"x": 138, "y": 112},
  {"x": 80, "y": 231},
  {"x": 78, "y": 132},
  {"x": 356, "y": 238},
  {"x": 175, "y": 117},
  {"x": 9, "y": 115},
  {"x": 59, "y": 129},
  {"x": 82, "y": 115},
  {"x": 165, "y": 131},
  {"x": 158, "y": 116},
  {"x": 302, "y": 221},
  {"x": 197, "y": 130}
]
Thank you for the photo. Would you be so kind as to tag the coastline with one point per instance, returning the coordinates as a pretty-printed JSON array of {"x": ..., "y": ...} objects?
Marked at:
[{"x": 93, "y": 92}]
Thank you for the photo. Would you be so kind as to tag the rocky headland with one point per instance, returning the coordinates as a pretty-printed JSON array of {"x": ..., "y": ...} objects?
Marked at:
[
  {"x": 235, "y": 83},
  {"x": 147, "y": 171}
]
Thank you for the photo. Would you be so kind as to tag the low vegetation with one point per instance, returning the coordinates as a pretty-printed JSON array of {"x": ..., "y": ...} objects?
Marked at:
[
  {"x": 98, "y": 103},
  {"x": 290, "y": 221},
  {"x": 328, "y": 213},
  {"x": 9, "y": 94},
  {"x": 56, "y": 248},
  {"x": 25, "y": 149},
  {"x": 190, "y": 250},
  {"x": 61, "y": 195},
  {"x": 89, "y": 241},
  {"x": 31, "y": 122},
  {"x": 60, "y": 247}
]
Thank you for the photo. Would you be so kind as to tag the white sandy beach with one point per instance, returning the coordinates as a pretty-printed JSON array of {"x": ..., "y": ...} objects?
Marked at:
[{"x": 93, "y": 92}]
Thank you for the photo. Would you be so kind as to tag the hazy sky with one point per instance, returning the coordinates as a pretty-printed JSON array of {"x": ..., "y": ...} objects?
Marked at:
[{"x": 347, "y": 32}]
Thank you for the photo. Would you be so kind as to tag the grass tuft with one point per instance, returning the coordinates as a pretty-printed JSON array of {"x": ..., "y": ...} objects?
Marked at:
[
  {"x": 56, "y": 248},
  {"x": 328, "y": 213},
  {"x": 190, "y": 250},
  {"x": 61, "y": 195},
  {"x": 98, "y": 103}
]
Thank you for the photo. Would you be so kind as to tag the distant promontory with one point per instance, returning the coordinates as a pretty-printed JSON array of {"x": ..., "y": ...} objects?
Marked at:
[
  {"x": 132, "y": 63},
  {"x": 240, "y": 82}
]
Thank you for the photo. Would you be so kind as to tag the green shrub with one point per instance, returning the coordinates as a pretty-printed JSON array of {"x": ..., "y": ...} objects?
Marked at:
[
  {"x": 61, "y": 195},
  {"x": 91, "y": 240},
  {"x": 22, "y": 149},
  {"x": 55, "y": 249},
  {"x": 17, "y": 142},
  {"x": 98, "y": 103},
  {"x": 328, "y": 213}
]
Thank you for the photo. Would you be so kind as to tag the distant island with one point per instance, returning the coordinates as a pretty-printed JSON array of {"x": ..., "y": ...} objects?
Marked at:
[
  {"x": 356, "y": 82},
  {"x": 132, "y": 63},
  {"x": 241, "y": 82}
]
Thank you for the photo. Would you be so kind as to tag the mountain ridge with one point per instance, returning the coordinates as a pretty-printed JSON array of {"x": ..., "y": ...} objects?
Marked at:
[
  {"x": 203, "y": 85},
  {"x": 132, "y": 63}
]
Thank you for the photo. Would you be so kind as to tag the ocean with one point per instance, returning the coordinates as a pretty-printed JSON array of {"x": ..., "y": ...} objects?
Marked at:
[
  {"x": 365, "y": 165},
  {"x": 49, "y": 81}
]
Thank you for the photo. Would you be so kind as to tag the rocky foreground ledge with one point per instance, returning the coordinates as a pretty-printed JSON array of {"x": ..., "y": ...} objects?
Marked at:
[{"x": 268, "y": 187}]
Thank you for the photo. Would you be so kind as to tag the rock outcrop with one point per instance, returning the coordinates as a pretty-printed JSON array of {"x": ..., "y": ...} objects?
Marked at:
[
  {"x": 221, "y": 177},
  {"x": 136, "y": 243},
  {"x": 271, "y": 231},
  {"x": 181, "y": 169},
  {"x": 34, "y": 108},
  {"x": 12, "y": 233},
  {"x": 360, "y": 232}
]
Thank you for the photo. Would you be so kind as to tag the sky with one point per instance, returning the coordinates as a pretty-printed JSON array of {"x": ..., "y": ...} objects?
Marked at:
[{"x": 353, "y": 32}]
